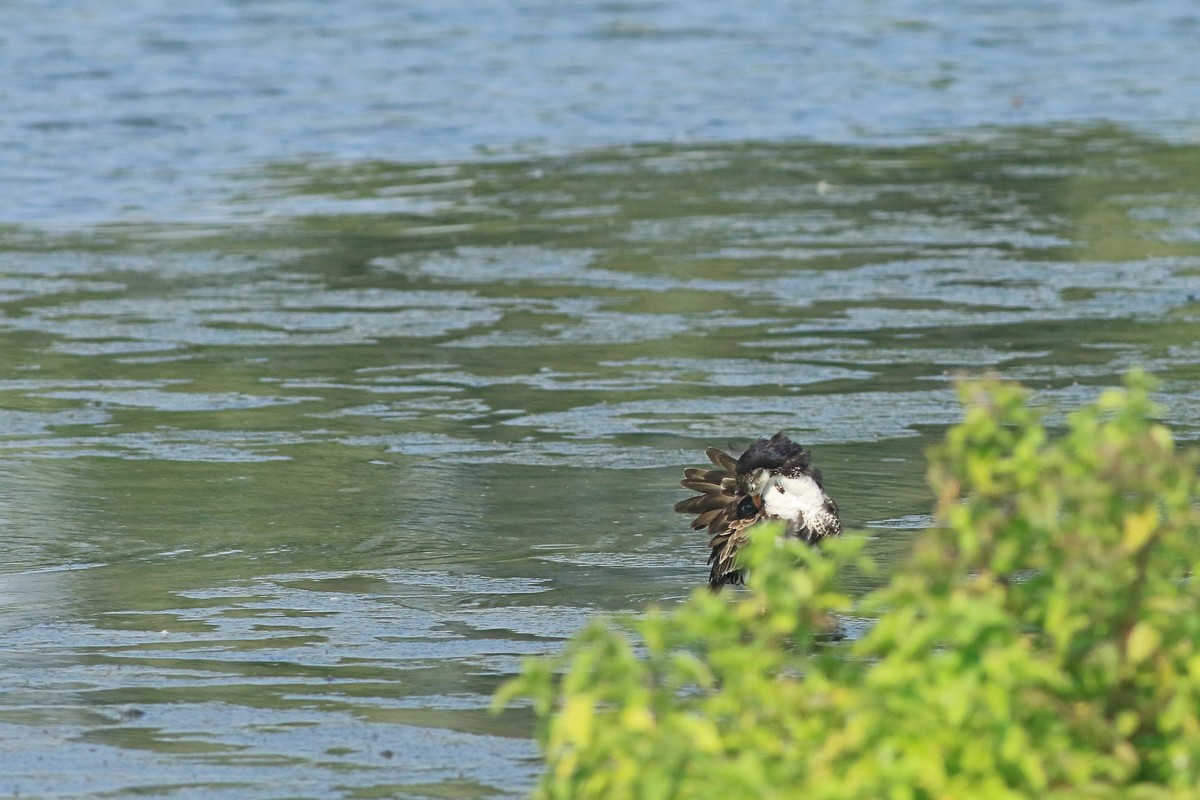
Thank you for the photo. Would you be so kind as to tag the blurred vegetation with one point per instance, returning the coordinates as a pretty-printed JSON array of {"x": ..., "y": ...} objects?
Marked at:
[{"x": 1043, "y": 641}]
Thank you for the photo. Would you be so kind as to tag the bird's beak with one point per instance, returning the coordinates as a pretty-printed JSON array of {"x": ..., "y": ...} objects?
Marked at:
[{"x": 757, "y": 500}]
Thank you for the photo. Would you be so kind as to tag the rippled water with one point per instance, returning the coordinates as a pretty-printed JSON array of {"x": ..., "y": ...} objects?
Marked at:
[{"x": 347, "y": 357}]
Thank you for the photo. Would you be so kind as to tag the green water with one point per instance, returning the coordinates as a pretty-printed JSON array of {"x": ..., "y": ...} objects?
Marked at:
[{"x": 284, "y": 499}]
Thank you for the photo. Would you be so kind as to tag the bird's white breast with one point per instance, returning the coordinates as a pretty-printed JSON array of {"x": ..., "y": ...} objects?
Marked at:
[{"x": 800, "y": 496}]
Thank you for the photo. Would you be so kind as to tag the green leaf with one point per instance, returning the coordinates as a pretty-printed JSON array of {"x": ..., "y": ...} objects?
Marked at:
[{"x": 1143, "y": 641}]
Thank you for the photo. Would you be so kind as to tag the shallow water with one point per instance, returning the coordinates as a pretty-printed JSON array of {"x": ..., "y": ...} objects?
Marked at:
[{"x": 309, "y": 434}]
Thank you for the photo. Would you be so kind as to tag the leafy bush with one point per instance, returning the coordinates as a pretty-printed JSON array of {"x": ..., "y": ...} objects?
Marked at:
[{"x": 1043, "y": 641}]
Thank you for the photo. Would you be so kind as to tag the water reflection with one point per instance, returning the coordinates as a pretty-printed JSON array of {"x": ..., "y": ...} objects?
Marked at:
[{"x": 281, "y": 506}]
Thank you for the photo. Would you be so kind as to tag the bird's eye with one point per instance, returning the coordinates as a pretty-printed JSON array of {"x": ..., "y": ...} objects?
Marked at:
[{"x": 746, "y": 508}]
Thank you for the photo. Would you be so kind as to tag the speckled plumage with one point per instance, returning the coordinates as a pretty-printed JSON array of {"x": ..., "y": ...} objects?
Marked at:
[{"x": 773, "y": 479}]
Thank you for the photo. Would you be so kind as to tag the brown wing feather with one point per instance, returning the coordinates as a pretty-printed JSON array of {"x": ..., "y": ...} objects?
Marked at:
[
  {"x": 722, "y": 560},
  {"x": 726, "y": 462},
  {"x": 705, "y": 518},
  {"x": 717, "y": 492},
  {"x": 715, "y": 509}
]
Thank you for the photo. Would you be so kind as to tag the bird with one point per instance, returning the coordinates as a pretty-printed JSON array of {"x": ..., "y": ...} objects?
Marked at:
[{"x": 774, "y": 479}]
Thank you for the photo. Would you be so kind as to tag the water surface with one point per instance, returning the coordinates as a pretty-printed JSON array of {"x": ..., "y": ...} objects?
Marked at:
[{"x": 282, "y": 506}]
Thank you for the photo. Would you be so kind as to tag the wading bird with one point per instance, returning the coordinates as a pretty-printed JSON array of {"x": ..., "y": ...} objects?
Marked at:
[{"x": 773, "y": 479}]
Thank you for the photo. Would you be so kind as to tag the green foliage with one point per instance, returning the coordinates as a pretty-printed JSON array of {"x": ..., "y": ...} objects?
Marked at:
[{"x": 1044, "y": 641}]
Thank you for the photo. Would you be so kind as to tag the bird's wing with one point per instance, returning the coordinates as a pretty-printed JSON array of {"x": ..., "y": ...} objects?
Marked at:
[
  {"x": 723, "y": 558},
  {"x": 714, "y": 505},
  {"x": 715, "y": 508}
]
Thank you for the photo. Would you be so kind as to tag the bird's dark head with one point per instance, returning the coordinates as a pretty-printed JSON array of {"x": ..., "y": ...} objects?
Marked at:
[
  {"x": 771, "y": 454},
  {"x": 768, "y": 457}
]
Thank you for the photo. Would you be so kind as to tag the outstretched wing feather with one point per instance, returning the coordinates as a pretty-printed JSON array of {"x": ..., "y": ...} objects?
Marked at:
[
  {"x": 707, "y": 518},
  {"x": 726, "y": 462},
  {"x": 716, "y": 490},
  {"x": 702, "y": 474},
  {"x": 714, "y": 507},
  {"x": 701, "y": 486}
]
